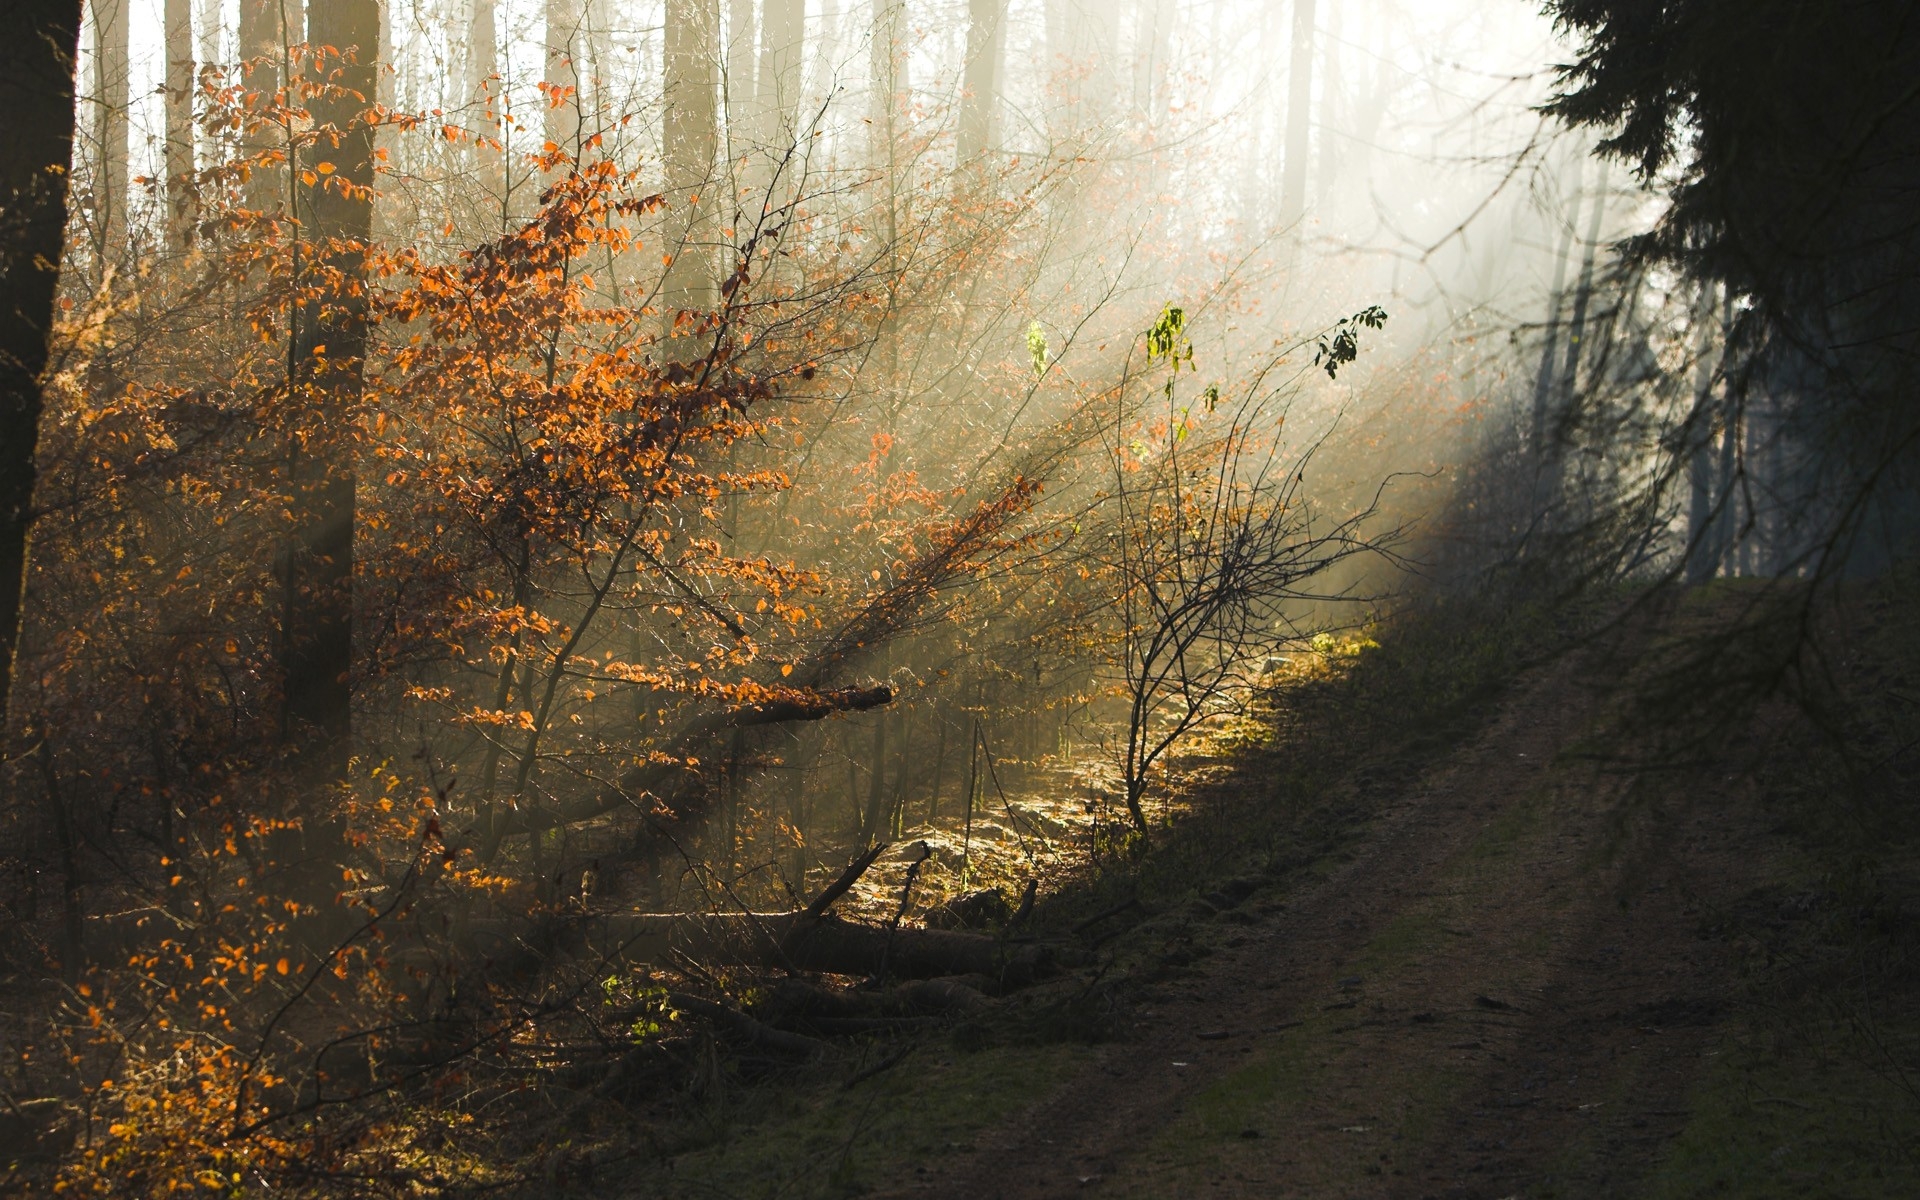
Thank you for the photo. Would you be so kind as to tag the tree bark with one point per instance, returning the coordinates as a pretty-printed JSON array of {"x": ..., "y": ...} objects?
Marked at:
[
  {"x": 266, "y": 26},
  {"x": 1293, "y": 182},
  {"x": 986, "y": 39},
  {"x": 1330, "y": 100},
  {"x": 110, "y": 83},
  {"x": 1550, "y": 353},
  {"x": 330, "y": 339},
  {"x": 782, "y": 42},
  {"x": 36, "y": 146},
  {"x": 179, "y": 156},
  {"x": 692, "y": 137},
  {"x": 1152, "y": 59},
  {"x": 564, "y": 54},
  {"x": 743, "y": 43}
]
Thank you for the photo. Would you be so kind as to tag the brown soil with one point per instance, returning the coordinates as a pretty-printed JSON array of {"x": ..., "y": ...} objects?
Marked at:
[{"x": 1505, "y": 991}]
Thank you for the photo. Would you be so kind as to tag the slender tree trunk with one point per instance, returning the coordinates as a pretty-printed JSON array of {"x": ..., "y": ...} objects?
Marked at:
[
  {"x": 1254, "y": 180},
  {"x": 1701, "y": 565},
  {"x": 36, "y": 146},
  {"x": 483, "y": 56},
  {"x": 873, "y": 826},
  {"x": 782, "y": 38},
  {"x": 1152, "y": 55},
  {"x": 1583, "y": 293},
  {"x": 179, "y": 157},
  {"x": 565, "y": 52},
  {"x": 826, "y": 54},
  {"x": 110, "y": 84},
  {"x": 980, "y": 99},
  {"x": 480, "y": 95},
  {"x": 939, "y": 767},
  {"x": 209, "y": 41},
  {"x": 743, "y": 43},
  {"x": 887, "y": 85},
  {"x": 1330, "y": 103},
  {"x": 691, "y": 135},
  {"x": 329, "y": 352},
  {"x": 1293, "y": 182},
  {"x": 1550, "y": 352},
  {"x": 266, "y": 28}
]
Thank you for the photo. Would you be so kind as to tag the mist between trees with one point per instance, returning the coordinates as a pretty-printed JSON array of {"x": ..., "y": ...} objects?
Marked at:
[{"x": 508, "y": 466}]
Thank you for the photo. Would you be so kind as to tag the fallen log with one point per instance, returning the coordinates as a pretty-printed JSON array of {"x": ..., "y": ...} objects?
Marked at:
[
  {"x": 745, "y": 1026},
  {"x": 796, "y": 941},
  {"x": 660, "y": 782},
  {"x": 810, "y": 706}
]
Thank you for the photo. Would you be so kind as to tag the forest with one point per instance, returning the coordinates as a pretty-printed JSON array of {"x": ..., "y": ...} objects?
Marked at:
[{"x": 988, "y": 598}]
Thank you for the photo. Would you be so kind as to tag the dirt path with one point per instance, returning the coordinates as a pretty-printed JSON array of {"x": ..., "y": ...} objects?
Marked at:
[{"x": 1505, "y": 991}]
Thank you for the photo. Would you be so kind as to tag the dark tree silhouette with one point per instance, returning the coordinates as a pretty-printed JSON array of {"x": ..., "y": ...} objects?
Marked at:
[
  {"x": 1790, "y": 134},
  {"x": 36, "y": 145},
  {"x": 330, "y": 345}
]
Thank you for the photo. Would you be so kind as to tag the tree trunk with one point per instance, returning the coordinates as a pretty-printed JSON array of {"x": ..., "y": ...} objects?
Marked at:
[
  {"x": 986, "y": 39},
  {"x": 266, "y": 26},
  {"x": 939, "y": 767},
  {"x": 1330, "y": 101},
  {"x": 330, "y": 340},
  {"x": 483, "y": 58},
  {"x": 1583, "y": 293},
  {"x": 1701, "y": 565},
  {"x": 692, "y": 42},
  {"x": 110, "y": 83},
  {"x": 1293, "y": 183},
  {"x": 36, "y": 146},
  {"x": 179, "y": 156},
  {"x": 743, "y": 38},
  {"x": 871, "y": 827},
  {"x": 1550, "y": 353},
  {"x": 564, "y": 54},
  {"x": 1153, "y": 59},
  {"x": 782, "y": 42}
]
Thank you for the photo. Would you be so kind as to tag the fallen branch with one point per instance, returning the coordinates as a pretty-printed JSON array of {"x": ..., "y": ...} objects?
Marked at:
[
  {"x": 757, "y": 1032},
  {"x": 848, "y": 878}
]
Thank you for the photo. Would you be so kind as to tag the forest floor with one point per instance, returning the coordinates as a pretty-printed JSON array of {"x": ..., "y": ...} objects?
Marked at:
[{"x": 1525, "y": 967}]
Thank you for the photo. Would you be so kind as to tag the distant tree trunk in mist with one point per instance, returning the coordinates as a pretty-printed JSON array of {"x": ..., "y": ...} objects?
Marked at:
[
  {"x": 1550, "y": 351},
  {"x": 1293, "y": 180},
  {"x": 1583, "y": 293},
  {"x": 1255, "y": 165},
  {"x": 483, "y": 55},
  {"x": 263, "y": 42},
  {"x": 1701, "y": 563},
  {"x": 563, "y": 74},
  {"x": 691, "y": 136},
  {"x": 1330, "y": 102},
  {"x": 886, "y": 96},
  {"x": 110, "y": 72},
  {"x": 36, "y": 145},
  {"x": 1080, "y": 48},
  {"x": 178, "y": 15},
  {"x": 1152, "y": 58},
  {"x": 330, "y": 340},
  {"x": 208, "y": 43},
  {"x": 782, "y": 36},
  {"x": 986, "y": 38},
  {"x": 599, "y": 47},
  {"x": 743, "y": 44},
  {"x": 873, "y": 822},
  {"x": 826, "y": 53}
]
